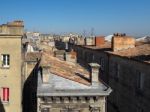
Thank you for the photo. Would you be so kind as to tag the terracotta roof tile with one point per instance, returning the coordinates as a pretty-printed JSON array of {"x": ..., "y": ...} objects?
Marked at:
[
  {"x": 33, "y": 56},
  {"x": 141, "y": 53},
  {"x": 61, "y": 68}
]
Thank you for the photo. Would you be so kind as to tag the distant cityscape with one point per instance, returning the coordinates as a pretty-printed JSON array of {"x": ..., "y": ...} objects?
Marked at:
[{"x": 73, "y": 73}]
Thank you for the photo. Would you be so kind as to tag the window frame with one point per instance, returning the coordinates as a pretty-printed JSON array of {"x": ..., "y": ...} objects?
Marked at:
[
  {"x": 140, "y": 80},
  {"x": 5, "y": 58},
  {"x": 2, "y": 95},
  {"x": 102, "y": 63},
  {"x": 117, "y": 70}
]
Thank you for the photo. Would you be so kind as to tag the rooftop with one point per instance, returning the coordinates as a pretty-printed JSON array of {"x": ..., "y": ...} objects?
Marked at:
[
  {"x": 105, "y": 46},
  {"x": 33, "y": 56},
  {"x": 67, "y": 70},
  {"x": 140, "y": 53},
  {"x": 65, "y": 87},
  {"x": 68, "y": 79}
]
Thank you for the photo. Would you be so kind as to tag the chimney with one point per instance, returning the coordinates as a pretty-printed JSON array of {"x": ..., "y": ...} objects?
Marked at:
[
  {"x": 94, "y": 74},
  {"x": 46, "y": 74},
  {"x": 122, "y": 42},
  {"x": 60, "y": 54},
  {"x": 99, "y": 41},
  {"x": 71, "y": 56}
]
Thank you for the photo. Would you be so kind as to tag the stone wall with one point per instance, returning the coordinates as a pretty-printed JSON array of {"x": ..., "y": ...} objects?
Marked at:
[
  {"x": 121, "y": 74},
  {"x": 127, "y": 96},
  {"x": 72, "y": 103},
  {"x": 122, "y": 42},
  {"x": 86, "y": 56},
  {"x": 10, "y": 77},
  {"x": 12, "y": 28}
]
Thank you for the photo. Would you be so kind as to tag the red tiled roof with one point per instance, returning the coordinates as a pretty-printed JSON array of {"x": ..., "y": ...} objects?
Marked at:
[
  {"x": 70, "y": 71},
  {"x": 33, "y": 56},
  {"x": 141, "y": 52}
]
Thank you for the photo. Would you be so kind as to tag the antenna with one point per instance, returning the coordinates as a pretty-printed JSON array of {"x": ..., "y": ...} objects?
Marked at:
[
  {"x": 84, "y": 33},
  {"x": 92, "y": 32}
]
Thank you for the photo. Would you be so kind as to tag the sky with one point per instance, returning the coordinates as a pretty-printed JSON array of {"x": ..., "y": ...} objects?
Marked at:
[{"x": 80, "y": 16}]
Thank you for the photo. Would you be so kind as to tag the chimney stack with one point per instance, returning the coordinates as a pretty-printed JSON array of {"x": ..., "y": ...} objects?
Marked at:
[
  {"x": 94, "y": 74},
  {"x": 46, "y": 74},
  {"x": 122, "y": 42}
]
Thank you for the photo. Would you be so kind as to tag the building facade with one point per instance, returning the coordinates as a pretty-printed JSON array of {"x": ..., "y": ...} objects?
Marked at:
[
  {"x": 130, "y": 80},
  {"x": 10, "y": 71},
  {"x": 13, "y": 28},
  {"x": 126, "y": 64},
  {"x": 63, "y": 87}
]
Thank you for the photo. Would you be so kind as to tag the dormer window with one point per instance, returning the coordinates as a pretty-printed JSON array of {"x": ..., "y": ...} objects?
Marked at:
[{"x": 5, "y": 60}]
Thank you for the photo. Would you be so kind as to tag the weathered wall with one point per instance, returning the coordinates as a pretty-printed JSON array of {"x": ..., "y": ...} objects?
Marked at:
[
  {"x": 126, "y": 97},
  {"x": 100, "y": 40},
  {"x": 76, "y": 104},
  {"x": 13, "y": 28},
  {"x": 120, "y": 43},
  {"x": 86, "y": 56}
]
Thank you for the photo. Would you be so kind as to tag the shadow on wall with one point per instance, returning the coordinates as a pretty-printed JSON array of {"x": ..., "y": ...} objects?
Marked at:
[
  {"x": 29, "y": 101},
  {"x": 1, "y": 107}
]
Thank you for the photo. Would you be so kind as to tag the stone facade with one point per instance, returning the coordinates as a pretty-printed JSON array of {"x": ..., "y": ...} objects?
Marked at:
[
  {"x": 71, "y": 104},
  {"x": 12, "y": 28},
  {"x": 130, "y": 83},
  {"x": 121, "y": 42},
  {"x": 86, "y": 55},
  {"x": 61, "y": 93},
  {"x": 10, "y": 73},
  {"x": 10, "y": 66},
  {"x": 127, "y": 75}
]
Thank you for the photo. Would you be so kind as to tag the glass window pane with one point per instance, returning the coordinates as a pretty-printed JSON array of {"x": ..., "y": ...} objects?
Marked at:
[{"x": 8, "y": 59}]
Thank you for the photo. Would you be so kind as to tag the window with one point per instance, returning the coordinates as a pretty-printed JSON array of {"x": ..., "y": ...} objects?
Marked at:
[
  {"x": 102, "y": 63},
  {"x": 5, "y": 94},
  {"x": 140, "y": 80},
  {"x": 5, "y": 60},
  {"x": 117, "y": 70}
]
